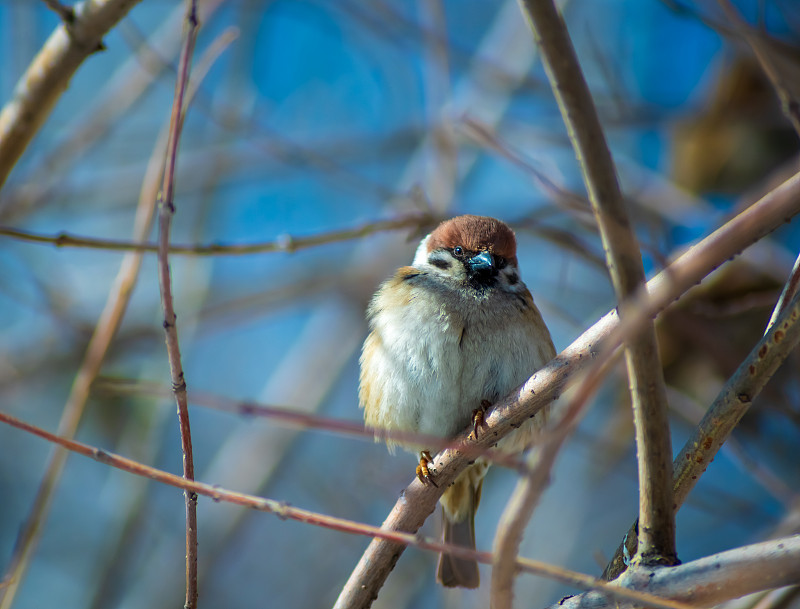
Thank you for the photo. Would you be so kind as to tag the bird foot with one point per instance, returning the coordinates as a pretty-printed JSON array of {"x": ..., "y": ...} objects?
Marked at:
[
  {"x": 479, "y": 417},
  {"x": 423, "y": 469}
]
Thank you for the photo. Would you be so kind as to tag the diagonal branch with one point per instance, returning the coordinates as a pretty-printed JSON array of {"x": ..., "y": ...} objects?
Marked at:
[
  {"x": 725, "y": 412},
  {"x": 166, "y": 212},
  {"x": 286, "y": 511},
  {"x": 49, "y": 74},
  {"x": 529, "y": 488},
  {"x": 417, "y": 501},
  {"x": 707, "y": 581},
  {"x": 624, "y": 261}
]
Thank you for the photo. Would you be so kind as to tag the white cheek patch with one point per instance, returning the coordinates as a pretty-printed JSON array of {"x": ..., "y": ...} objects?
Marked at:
[{"x": 421, "y": 257}]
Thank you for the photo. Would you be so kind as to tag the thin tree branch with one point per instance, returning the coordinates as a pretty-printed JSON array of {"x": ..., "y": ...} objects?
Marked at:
[
  {"x": 286, "y": 511},
  {"x": 707, "y": 581},
  {"x": 105, "y": 330},
  {"x": 788, "y": 292},
  {"x": 624, "y": 260},
  {"x": 417, "y": 501},
  {"x": 284, "y": 243},
  {"x": 724, "y": 414},
  {"x": 166, "y": 212},
  {"x": 525, "y": 498},
  {"x": 49, "y": 74}
]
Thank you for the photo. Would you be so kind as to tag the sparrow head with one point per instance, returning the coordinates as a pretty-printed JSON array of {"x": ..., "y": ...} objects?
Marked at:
[{"x": 477, "y": 251}]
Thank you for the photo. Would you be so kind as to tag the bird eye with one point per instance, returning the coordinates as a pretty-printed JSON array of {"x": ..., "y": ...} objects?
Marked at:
[
  {"x": 501, "y": 263},
  {"x": 458, "y": 251}
]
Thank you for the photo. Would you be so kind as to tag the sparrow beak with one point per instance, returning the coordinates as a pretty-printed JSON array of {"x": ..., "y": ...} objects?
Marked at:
[{"x": 483, "y": 262}]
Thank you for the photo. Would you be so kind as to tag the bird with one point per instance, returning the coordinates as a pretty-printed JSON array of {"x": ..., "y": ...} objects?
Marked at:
[{"x": 450, "y": 334}]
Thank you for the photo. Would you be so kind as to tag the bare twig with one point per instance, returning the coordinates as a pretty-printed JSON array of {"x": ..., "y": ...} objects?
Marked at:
[
  {"x": 725, "y": 413},
  {"x": 285, "y": 511},
  {"x": 788, "y": 292},
  {"x": 624, "y": 260},
  {"x": 418, "y": 502},
  {"x": 50, "y": 72},
  {"x": 166, "y": 212},
  {"x": 105, "y": 330},
  {"x": 284, "y": 243}
]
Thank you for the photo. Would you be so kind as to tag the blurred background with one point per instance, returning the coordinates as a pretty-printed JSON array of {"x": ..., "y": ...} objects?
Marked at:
[{"x": 317, "y": 116}]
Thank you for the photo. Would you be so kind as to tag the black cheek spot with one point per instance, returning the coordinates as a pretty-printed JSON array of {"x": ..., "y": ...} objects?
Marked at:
[
  {"x": 513, "y": 278},
  {"x": 440, "y": 263}
]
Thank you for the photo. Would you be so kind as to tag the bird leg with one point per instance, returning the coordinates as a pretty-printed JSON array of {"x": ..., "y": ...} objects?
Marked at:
[
  {"x": 479, "y": 417},
  {"x": 423, "y": 471}
]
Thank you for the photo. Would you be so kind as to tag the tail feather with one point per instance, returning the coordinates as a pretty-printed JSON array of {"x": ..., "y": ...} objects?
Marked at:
[{"x": 456, "y": 572}]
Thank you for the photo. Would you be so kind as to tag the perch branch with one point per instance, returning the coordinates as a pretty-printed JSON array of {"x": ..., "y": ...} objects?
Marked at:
[{"x": 689, "y": 269}]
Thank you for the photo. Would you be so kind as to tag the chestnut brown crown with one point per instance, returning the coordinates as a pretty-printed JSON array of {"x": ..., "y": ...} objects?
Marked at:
[{"x": 476, "y": 234}]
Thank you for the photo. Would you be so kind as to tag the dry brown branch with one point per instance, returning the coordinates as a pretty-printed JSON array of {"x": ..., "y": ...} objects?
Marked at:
[
  {"x": 284, "y": 243},
  {"x": 418, "y": 502},
  {"x": 725, "y": 413},
  {"x": 118, "y": 94},
  {"x": 166, "y": 212},
  {"x": 286, "y": 511},
  {"x": 708, "y": 581},
  {"x": 624, "y": 260},
  {"x": 50, "y": 72},
  {"x": 105, "y": 330}
]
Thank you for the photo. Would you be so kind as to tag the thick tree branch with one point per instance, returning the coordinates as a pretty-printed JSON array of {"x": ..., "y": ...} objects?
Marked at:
[
  {"x": 708, "y": 581},
  {"x": 50, "y": 72},
  {"x": 624, "y": 260},
  {"x": 418, "y": 501},
  {"x": 725, "y": 413}
]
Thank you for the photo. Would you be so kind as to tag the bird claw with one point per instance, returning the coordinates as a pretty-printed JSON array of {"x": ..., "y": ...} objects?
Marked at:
[
  {"x": 479, "y": 417},
  {"x": 423, "y": 471}
]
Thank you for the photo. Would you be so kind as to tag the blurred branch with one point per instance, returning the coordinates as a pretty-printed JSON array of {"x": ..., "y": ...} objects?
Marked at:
[
  {"x": 761, "y": 49},
  {"x": 105, "y": 330},
  {"x": 624, "y": 260},
  {"x": 166, "y": 213},
  {"x": 418, "y": 501},
  {"x": 724, "y": 414},
  {"x": 531, "y": 485},
  {"x": 117, "y": 95},
  {"x": 49, "y": 74},
  {"x": 284, "y": 243},
  {"x": 296, "y": 417},
  {"x": 286, "y": 511},
  {"x": 708, "y": 581}
]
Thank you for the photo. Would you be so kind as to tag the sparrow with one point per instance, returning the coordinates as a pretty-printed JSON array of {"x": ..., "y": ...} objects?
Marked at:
[{"x": 455, "y": 331}]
